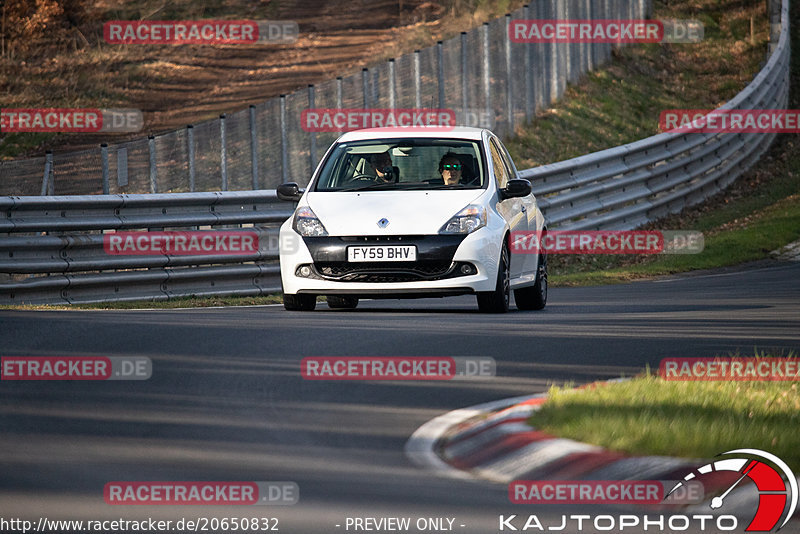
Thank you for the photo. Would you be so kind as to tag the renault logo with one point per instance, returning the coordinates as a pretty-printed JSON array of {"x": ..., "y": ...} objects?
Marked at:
[{"x": 383, "y": 223}]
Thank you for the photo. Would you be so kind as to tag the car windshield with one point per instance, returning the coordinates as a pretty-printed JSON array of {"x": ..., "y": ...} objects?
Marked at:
[{"x": 403, "y": 164}]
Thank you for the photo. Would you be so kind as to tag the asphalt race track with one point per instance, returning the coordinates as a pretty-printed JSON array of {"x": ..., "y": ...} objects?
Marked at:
[{"x": 226, "y": 400}]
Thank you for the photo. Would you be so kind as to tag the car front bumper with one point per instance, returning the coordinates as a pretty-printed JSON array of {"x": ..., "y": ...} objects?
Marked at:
[{"x": 437, "y": 271}]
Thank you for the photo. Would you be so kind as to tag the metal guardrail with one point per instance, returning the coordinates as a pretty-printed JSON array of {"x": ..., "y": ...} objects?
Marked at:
[{"x": 61, "y": 238}]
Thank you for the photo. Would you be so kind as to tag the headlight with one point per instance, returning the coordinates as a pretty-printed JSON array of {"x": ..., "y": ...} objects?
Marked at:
[
  {"x": 466, "y": 221},
  {"x": 307, "y": 224}
]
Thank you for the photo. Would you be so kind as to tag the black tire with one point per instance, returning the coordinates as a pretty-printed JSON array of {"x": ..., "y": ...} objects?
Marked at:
[
  {"x": 497, "y": 301},
  {"x": 338, "y": 302},
  {"x": 299, "y": 302},
  {"x": 535, "y": 296}
]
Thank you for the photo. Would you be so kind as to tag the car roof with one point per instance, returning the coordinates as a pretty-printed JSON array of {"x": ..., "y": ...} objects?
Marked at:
[{"x": 421, "y": 132}]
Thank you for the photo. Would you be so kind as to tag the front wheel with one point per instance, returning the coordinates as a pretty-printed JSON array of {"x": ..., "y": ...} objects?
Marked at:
[
  {"x": 497, "y": 301},
  {"x": 299, "y": 302},
  {"x": 534, "y": 297}
]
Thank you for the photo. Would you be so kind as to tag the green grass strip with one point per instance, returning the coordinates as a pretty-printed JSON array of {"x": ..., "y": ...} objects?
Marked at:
[{"x": 651, "y": 416}]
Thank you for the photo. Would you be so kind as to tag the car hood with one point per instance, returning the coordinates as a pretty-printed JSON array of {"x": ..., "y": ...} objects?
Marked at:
[{"x": 408, "y": 212}]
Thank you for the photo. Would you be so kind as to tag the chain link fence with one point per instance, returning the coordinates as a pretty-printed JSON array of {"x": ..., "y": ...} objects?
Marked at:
[{"x": 487, "y": 80}]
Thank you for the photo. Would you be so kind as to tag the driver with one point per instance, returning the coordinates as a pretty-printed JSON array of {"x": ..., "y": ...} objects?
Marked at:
[{"x": 382, "y": 164}]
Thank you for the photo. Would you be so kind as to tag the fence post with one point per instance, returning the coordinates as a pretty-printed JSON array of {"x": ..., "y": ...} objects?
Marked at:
[
  {"x": 190, "y": 143},
  {"x": 392, "y": 90},
  {"x": 48, "y": 173},
  {"x": 223, "y": 153},
  {"x": 555, "y": 64},
  {"x": 312, "y": 136},
  {"x": 440, "y": 72},
  {"x": 104, "y": 164},
  {"x": 253, "y": 146},
  {"x": 417, "y": 82},
  {"x": 509, "y": 97},
  {"x": 486, "y": 67},
  {"x": 464, "y": 65},
  {"x": 151, "y": 142},
  {"x": 365, "y": 86},
  {"x": 774, "y": 14},
  {"x": 529, "y": 98},
  {"x": 284, "y": 143}
]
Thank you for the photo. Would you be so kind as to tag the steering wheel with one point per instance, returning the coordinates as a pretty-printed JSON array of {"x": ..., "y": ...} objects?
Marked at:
[{"x": 362, "y": 176}]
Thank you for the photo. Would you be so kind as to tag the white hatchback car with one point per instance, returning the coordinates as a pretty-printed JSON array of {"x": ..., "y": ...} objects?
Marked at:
[{"x": 400, "y": 214}]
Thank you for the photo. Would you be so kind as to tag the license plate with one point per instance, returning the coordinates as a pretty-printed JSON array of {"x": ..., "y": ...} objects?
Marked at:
[{"x": 382, "y": 253}]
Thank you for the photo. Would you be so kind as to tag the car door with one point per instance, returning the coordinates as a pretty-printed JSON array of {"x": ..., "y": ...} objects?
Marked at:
[
  {"x": 529, "y": 208},
  {"x": 511, "y": 208}
]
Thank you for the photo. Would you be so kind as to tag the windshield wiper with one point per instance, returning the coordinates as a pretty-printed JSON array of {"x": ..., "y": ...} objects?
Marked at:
[{"x": 386, "y": 185}]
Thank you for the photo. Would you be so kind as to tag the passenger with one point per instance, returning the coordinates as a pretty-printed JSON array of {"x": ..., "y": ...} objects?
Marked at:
[{"x": 450, "y": 169}]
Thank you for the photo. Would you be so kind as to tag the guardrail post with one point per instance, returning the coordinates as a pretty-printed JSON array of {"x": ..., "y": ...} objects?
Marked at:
[
  {"x": 486, "y": 68},
  {"x": 417, "y": 81},
  {"x": 509, "y": 97},
  {"x": 338, "y": 92},
  {"x": 464, "y": 81},
  {"x": 48, "y": 172},
  {"x": 284, "y": 143},
  {"x": 392, "y": 81},
  {"x": 529, "y": 97},
  {"x": 253, "y": 147},
  {"x": 223, "y": 153},
  {"x": 104, "y": 165},
  {"x": 312, "y": 136},
  {"x": 151, "y": 142},
  {"x": 365, "y": 86},
  {"x": 190, "y": 151},
  {"x": 440, "y": 71}
]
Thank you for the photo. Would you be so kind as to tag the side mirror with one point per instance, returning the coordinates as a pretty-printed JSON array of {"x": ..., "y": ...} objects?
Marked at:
[
  {"x": 289, "y": 191},
  {"x": 519, "y": 187}
]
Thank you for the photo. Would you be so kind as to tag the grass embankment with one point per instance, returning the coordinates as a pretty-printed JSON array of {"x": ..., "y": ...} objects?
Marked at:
[
  {"x": 651, "y": 416},
  {"x": 621, "y": 104}
]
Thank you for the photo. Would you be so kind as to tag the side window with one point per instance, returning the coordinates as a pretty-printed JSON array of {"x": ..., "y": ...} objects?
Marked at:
[
  {"x": 512, "y": 169},
  {"x": 500, "y": 169}
]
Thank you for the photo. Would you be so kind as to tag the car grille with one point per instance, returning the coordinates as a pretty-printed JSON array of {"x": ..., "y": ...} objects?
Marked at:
[{"x": 384, "y": 271}]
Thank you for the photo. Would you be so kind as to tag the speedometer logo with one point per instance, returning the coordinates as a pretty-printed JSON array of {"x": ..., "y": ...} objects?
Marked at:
[{"x": 776, "y": 487}]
